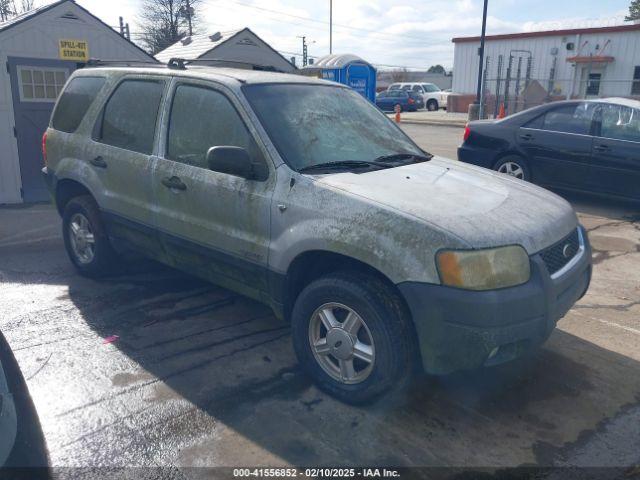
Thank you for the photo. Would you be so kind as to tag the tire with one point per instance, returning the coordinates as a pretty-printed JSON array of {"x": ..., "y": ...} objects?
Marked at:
[
  {"x": 514, "y": 166},
  {"x": 102, "y": 259},
  {"x": 432, "y": 105},
  {"x": 386, "y": 325}
]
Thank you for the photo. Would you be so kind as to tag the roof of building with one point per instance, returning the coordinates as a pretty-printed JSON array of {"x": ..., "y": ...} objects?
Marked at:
[
  {"x": 337, "y": 61},
  {"x": 553, "y": 33},
  {"x": 195, "y": 46},
  {"x": 29, "y": 15}
]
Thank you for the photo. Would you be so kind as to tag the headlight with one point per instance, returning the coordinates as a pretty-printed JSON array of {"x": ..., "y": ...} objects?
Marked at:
[{"x": 484, "y": 269}]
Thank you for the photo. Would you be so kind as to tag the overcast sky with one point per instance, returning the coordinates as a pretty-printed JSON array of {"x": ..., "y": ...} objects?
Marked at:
[{"x": 385, "y": 32}]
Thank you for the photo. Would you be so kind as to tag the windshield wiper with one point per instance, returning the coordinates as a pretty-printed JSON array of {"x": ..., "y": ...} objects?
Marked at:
[
  {"x": 404, "y": 156},
  {"x": 344, "y": 164}
]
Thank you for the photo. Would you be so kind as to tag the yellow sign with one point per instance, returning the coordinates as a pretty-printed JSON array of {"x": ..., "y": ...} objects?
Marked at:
[{"x": 76, "y": 50}]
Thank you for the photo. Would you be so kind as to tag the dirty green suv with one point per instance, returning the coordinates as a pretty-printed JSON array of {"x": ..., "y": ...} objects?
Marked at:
[{"x": 301, "y": 194}]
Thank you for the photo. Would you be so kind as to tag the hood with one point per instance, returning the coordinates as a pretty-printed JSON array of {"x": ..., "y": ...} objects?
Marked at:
[{"x": 481, "y": 207}]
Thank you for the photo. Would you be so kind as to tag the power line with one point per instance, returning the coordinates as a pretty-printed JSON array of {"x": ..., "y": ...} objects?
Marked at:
[{"x": 322, "y": 22}]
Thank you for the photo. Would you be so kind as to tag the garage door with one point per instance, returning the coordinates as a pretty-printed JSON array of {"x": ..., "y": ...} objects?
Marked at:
[{"x": 35, "y": 86}]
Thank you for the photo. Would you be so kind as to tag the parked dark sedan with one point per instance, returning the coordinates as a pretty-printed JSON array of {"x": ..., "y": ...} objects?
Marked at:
[
  {"x": 408, "y": 101},
  {"x": 591, "y": 145}
]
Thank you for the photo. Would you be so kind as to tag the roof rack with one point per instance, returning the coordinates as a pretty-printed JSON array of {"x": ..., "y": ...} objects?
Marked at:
[
  {"x": 95, "y": 62},
  {"x": 181, "y": 63}
]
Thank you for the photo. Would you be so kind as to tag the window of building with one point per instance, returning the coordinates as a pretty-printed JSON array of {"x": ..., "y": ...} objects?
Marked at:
[
  {"x": 202, "y": 118},
  {"x": 75, "y": 101},
  {"x": 130, "y": 116},
  {"x": 41, "y": 84},
  {"x": 635, "y": 86},
  {"x": 593, "y": 84}
]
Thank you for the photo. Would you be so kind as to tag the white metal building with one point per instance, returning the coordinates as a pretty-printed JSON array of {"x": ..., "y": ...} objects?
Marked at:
[
  {"x": 239, "y": 48},
  {"x": 38, "y": 52},
  {"x": 575, "y": 63}
]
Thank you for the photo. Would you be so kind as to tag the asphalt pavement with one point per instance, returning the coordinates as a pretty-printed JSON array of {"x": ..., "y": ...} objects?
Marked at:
[{"x": 152, "y": 367}]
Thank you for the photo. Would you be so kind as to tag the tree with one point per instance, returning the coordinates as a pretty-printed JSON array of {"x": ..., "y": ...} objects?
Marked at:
[
  {"x": 634, "y": 11},
  {"x": 438, "y": 69},
  {"x": 399, "y": 75},
  {"x": 11, "y": 8},
  {"x": 164, "y": 22}
]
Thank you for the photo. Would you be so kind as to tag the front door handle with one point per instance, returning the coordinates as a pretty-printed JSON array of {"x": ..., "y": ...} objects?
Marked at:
[
  {"x": 98, "y": 162},
  {"x": 174, "y": 183},
  {"x": 526, "y": 137},
  {"x": 601, "y": 148}
]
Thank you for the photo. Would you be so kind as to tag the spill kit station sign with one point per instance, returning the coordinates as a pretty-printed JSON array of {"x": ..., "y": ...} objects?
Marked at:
[{"x": 75, "y": 50}]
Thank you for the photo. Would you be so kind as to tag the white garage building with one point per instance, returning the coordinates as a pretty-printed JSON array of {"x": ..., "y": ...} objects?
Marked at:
[
  {"x": 38, "y": 52},
  {"x": 573, "y": 63},
  {"x": 236, "y": 48}
]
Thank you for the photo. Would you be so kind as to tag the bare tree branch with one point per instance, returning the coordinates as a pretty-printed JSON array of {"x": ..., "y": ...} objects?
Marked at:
[{"x": 164, "y": 22}]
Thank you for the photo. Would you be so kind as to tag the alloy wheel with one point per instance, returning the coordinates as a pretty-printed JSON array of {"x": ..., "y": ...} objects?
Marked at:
[
  {"x": 83, "y": 242},
  {"x": 342, "y": 343},
  {"x": 513, "y": 169}
]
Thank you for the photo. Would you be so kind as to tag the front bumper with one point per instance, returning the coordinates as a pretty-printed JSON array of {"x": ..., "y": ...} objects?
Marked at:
[{"x": 462, "y": 329}]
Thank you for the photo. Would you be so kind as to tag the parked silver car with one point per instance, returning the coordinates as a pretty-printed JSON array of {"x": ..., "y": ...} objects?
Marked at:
[{"x": 301, "y": 194}]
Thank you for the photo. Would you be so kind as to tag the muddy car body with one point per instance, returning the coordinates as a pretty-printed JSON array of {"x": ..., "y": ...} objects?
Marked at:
[{"x": 312, "y": 201}]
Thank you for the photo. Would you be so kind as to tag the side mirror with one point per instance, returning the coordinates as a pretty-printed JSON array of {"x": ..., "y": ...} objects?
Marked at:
[{"x": 235, "y": 161}]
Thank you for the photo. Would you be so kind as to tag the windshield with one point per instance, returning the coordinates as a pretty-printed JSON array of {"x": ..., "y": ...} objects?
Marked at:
[{"x": 316, "y": 124}]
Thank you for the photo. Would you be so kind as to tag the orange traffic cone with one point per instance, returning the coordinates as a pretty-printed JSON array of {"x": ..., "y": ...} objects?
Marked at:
[
  {"x": 501, "y": 113},
  {"x": 398, "y": 109}
]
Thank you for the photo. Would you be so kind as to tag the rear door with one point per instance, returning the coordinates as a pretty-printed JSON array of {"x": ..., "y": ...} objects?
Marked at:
[
  {"x": 215, "y": 224},
  {"x": 559, "y": 143},
  {"x": 616, "y": 152},
  {"x": 122, "y": 156}
]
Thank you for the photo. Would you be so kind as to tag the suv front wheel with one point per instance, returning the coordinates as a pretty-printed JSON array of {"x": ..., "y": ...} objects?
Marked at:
[
  {"x": 85, "y": 237},
  {"x": 352, "y": 335}
]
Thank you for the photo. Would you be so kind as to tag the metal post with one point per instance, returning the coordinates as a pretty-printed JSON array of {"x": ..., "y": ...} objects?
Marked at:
[
  {"x": 481, "y": 52},
  {"x": 507, "y": 85},
  {"x": 497, "y": 106},
  {"x": 517, "y": 89},
  {"x": 483, "y": 97},
  {"x": 330, "y": 27}
]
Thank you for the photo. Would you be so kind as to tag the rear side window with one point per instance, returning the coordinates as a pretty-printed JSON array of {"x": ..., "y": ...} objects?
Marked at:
[
  {"x": 570, "y": 119},
  {"x": 129, "y": 118},
  {"x": 202, "y": 118},
  {"x": 75, "y": 101},
  {"x": 620, "y": 123}
]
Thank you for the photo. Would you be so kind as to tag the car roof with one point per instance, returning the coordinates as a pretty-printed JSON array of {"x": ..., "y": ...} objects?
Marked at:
[
  {"x": 229, "y": 76},
  {"x": 626, "y": 102}
]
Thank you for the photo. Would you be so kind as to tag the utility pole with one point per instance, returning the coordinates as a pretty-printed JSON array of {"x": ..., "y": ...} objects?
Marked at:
[
  {"x": 304, "y": 51},
  {"x": 481, "y": 52},
  {"x": 330, "y": 27},
  {"x": 127, "y": 32},
  {"x": 475, "y": 108},
  {"x": 121, "y": 27}
]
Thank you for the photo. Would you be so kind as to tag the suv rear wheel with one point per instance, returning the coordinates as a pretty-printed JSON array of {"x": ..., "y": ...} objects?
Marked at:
[
  {"x": 351, "y": 334},
  {"x": 432, "y": 105},
  {"x": 85, "y": 238}
]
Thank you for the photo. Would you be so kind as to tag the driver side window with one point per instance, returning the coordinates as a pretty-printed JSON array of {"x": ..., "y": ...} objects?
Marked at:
[{"x": 202, "y": 118}]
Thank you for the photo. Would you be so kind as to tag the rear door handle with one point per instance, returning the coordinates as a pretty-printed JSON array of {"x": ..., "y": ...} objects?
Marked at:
[
  {"x": 174, "y": 183},
  {"x": 601, "y": 148},
  {"x": 98, "y": 162},
  {"x": 526, "y": 136}
]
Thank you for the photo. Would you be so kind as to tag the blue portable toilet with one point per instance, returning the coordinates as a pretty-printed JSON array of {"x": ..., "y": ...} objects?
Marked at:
[{"x": 347, "y": 69}]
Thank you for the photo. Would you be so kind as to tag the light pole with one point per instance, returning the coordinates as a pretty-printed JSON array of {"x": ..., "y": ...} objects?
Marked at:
[
  {"x": 330, "y": 27},
  {"x": 481, "y": 55}
]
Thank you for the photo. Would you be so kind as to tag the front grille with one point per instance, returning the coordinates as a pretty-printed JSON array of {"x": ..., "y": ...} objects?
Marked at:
[{"x": 557, "y": 256}]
